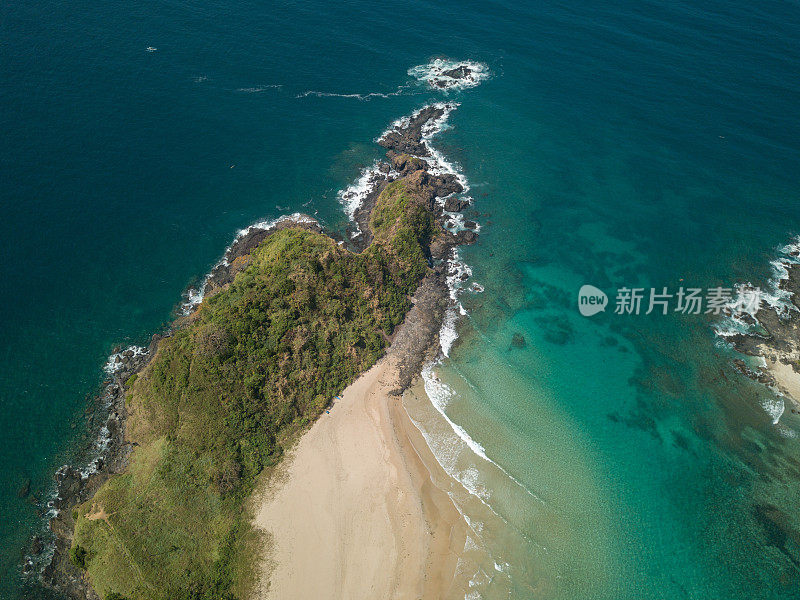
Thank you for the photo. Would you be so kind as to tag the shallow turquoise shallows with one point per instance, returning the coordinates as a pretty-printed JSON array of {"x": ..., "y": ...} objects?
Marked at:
[{"x": 640, "y": 144}]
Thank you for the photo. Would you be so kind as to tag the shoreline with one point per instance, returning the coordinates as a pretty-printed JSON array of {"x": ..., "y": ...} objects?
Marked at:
[
  {"x": 769, "y": 334},
  {"x": 439, "y": 524},
  {"x": 75, "y": 485},
  {"x": 366, "y": 531}
]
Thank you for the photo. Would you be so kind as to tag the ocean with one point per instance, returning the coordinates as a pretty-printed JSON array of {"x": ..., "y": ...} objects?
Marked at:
[{"x": 642, "y": 145}]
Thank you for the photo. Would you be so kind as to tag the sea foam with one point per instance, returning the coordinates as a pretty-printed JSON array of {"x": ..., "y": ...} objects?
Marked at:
[
  {"x": 741, "y": 314},
  {"x": 458, "y": 272},
  {"x": 356, "y": 96},
  {"x": 774, "y": 407},
  {"x": 739, "y": 319},
  {"x": 353, "y": 196},
  {"x": 259, "y": 88},
  {"x": 435, "y": 74}
]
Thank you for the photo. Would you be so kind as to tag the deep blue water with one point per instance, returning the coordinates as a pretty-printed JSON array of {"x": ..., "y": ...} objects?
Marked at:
[{"x": 627, "y": 144}]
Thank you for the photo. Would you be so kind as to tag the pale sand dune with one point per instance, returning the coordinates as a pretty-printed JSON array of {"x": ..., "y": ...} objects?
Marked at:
[{"x": 353, "y": 513}]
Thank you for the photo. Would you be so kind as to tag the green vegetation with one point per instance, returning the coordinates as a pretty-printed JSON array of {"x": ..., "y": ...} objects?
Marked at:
[
  {"x": 259, "y": 360},
  {"x": 78, "y": 556}
]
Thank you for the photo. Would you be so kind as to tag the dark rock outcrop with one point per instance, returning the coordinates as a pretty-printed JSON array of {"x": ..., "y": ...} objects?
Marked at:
[
  {"x": 460, "y": 72},
  {"x": 407, "y": 136},
  {"x": 455, "y": 204},
  {"x": 37, "y": 546},
  {"x": 405, "y": 163},
  {"x": 74, "y": 487},
  {"x": 466, "y": 237}
]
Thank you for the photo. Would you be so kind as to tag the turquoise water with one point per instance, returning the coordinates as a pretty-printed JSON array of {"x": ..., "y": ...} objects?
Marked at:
[{"x": 633, "y": 144}]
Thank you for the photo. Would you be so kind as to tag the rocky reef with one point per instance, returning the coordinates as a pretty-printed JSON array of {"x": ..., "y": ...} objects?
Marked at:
[
  {"x": 773, "y": 336},
  {"x": 445, "y": 74},
  {"x": 407, "y": 154}
]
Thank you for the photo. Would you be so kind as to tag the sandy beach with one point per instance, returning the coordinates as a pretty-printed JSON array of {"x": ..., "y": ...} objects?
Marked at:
[
  {"x": 787, "y": 379},
  {"x": 353, "y": 511}
]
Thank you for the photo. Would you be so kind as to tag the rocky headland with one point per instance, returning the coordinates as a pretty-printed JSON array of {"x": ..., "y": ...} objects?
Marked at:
[{"x": 408, "y": 179}]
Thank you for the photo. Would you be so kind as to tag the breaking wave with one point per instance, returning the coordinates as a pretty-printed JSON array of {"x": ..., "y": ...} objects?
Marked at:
[
  {"x": 741, "y": 317},
  {"x": 445, "y": 74},
  {"x": 258, "y": 89},
  {"x": 741, "y": 312}
]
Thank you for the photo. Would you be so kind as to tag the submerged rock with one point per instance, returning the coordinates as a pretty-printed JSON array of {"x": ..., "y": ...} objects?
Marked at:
[
  {"x": 37, "y": 545},
  {"x": 773, "y": 334},
  {"x": 25, "y": 489},
  {"x": 518, "y": 340},
  {"x": 779, "y": 531}
]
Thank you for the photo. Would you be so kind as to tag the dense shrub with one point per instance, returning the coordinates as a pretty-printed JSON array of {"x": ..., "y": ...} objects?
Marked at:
[{"x": 78, "y": 556}]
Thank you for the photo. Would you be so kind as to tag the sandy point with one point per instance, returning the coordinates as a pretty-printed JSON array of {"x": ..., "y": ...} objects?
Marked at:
[{"x": 353, "y": 512}]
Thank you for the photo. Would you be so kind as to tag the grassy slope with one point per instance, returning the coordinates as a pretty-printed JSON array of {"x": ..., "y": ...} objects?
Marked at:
[{"x": 261, "y": 358}]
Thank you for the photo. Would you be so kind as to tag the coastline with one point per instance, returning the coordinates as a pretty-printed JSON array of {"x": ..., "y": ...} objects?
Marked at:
[
  {"x": 769, "y": 333},
  {"x": 114, "y": 445},
  {"x": 373, "y": 522},
  {"x": 422, "y": 530},
  {"x": 616, "y": 457},
  {"x": 365, "y": 530}
]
